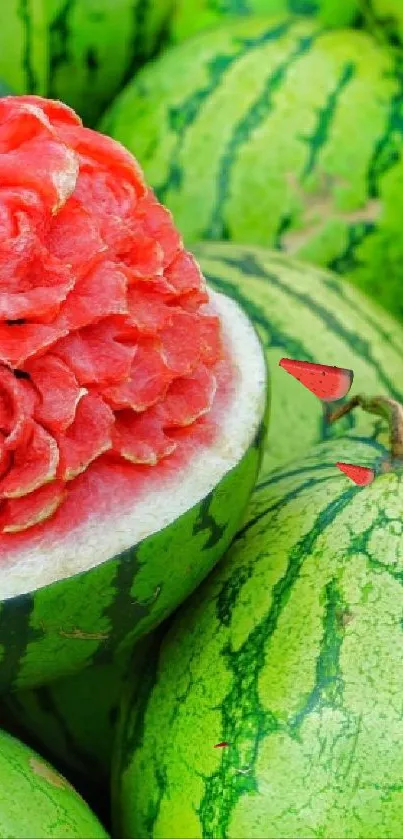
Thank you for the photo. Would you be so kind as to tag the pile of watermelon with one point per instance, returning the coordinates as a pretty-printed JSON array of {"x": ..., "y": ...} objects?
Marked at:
[{"x": 201, "y": 419}]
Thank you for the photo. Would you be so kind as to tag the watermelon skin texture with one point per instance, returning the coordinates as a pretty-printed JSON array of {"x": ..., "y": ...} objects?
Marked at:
[
  {"x": 68, "y": 50},
  {"x": 385, "y": 19},
  {"x": 291, "y": 653},
  {"x": 192, "y": 16},
  {"x": 89, "y": 617},
  {"x": 35, "y": 801},
  {"x": 224, "y": 149},
  {"x": 306, "y": 313},
  {"x": 94, "y": 48},
  {"x": 24, "y": 48}
]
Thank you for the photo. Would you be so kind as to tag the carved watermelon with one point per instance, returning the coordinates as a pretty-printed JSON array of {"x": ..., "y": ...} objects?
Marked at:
[{"x": 132, "y": 401}]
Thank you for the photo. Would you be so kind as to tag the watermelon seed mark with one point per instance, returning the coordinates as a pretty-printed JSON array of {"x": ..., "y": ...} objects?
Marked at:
[
  {"x": 84, "y": 636},
  {"x": 47, "y": 773},
  {"x": 222, "y": 745},
  {"x": 75, "y": 633}
]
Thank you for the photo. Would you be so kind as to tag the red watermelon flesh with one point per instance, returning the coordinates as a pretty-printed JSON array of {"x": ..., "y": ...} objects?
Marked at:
[
  {"x": 111, "y": 359},
  {"x": 361, "y": 475},
  {"x": 326, "y": 382}
]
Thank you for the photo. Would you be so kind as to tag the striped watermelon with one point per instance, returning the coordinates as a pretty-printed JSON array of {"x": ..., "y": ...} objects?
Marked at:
[
  {"x": 80, "y": 51},
  {"x": 289, "y": 657},
  {"x": 36, "y": 801},
  {"x": 259, "y": 143},
  {"x": 300, "y": 312},
  {"x": 192, "y": 16}
]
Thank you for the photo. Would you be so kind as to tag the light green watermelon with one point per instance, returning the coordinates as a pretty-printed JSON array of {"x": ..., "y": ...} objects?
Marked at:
[
  {"x": 275, "y": 706},
  {"x": 36, "y": 802},
  {"x": 192, "y": 16},
  {"x": 274, "y": 132}
]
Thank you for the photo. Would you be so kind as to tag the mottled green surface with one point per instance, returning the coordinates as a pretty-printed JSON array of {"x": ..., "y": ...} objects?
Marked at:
[
  {"x": 96, "y": 45},
  {"x": 385, "y": 19},
  {"x": 280, "y": 134},
  {"x": 72, "y": 721},
  {"x": 192, "y": 16},
  {"x": 38, "y": 803},
  {"x": 291, "y": 652},
  {"x": 24, "y": 45},
  {"x": 88, "y": 618},
  {"x": 309, "y": 314}
]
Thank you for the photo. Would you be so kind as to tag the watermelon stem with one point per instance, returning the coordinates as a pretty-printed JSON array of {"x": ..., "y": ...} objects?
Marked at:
[{"x": 382, "y": 406}]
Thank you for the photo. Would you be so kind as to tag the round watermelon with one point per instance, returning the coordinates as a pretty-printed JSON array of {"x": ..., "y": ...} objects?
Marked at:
[
  {"x": 36, "y": 801},
  {"x": 192, "y": 16},
  {"x": 274, "y": 708},
  {"x": 275, "y": 132},
  {"x": 132, "y": 401},
  {"x": 300, "y": 312},
  {"x": 79, "y": 51}
]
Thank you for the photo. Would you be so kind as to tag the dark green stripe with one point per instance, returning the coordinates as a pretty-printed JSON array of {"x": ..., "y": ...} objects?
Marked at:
[
  {"x": 358, "y": 345},
  {"x": 243, "y": 716},
  {"x": 123, "y": 613},
  {"x": 325, "y": 118},
  {"x": 328, "y": 687},
  {"x": 254, "y": 117},
  {"x": 182, "y": 117},
  {"x": 348, "y": 261},
  {"x": 206, "y": 522},
  {"x": 16, "y": 633},
  {"x": 24, "y": 14},
  {"x": 59, "y": 37}
]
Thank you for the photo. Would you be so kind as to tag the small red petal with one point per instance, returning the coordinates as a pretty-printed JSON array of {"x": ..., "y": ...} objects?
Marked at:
[{"x": 361, "y": 475}]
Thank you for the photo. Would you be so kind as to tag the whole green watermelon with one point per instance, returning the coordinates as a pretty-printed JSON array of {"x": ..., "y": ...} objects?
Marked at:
[
  {"x": 191, "y": 16},
  {"x": 79, "y": 51},
  {"x": 275, "y": 706},
  {"x": 275, "y": 132}
]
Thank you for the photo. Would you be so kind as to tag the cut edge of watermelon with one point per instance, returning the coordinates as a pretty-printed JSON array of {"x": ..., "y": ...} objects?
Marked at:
[{"x": 112, "y": 528}]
